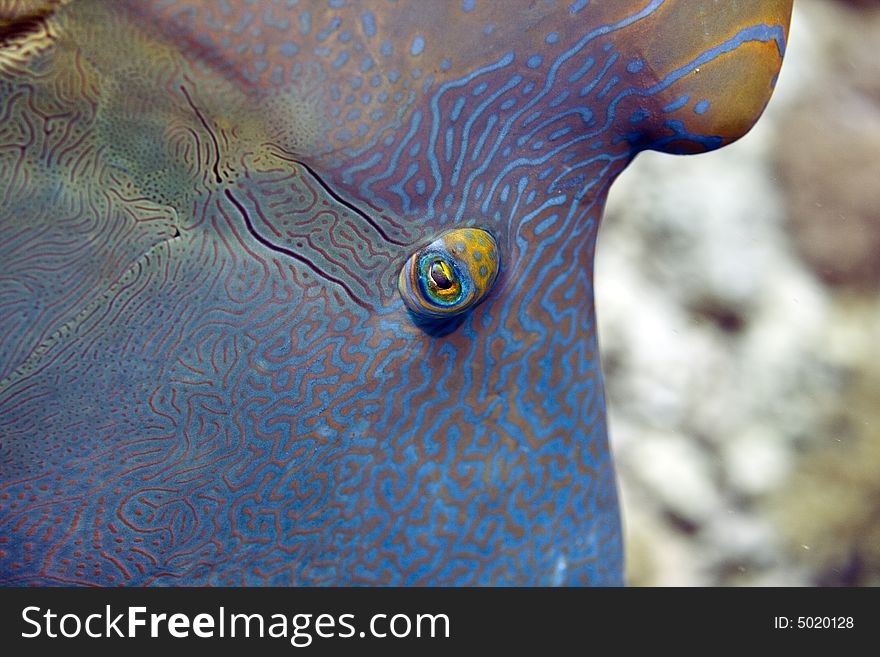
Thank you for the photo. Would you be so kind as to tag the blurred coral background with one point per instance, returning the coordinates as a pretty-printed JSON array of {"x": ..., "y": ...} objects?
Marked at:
[{"x": 738, "y": 295}]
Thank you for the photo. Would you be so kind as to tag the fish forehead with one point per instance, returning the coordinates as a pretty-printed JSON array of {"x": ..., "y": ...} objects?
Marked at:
[
  {"x": 209, "y": 376},
  {"x": 431, "y": 109}
]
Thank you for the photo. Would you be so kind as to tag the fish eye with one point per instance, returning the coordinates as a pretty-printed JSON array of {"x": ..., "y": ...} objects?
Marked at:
[
  {"x": 451, "y": 275},
  {"x": 441, "y": 276},
  {"x": 440, "y": 280}
]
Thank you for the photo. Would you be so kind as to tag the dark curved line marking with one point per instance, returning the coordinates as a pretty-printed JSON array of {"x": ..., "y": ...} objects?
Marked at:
[
  {"x": 20, "y": 28},
  {"x": 292, "y": 254},
  {"x": 210, "y": 132},
  {"x": 336, "y": 197},
  {"x": 30, "y": 22}
]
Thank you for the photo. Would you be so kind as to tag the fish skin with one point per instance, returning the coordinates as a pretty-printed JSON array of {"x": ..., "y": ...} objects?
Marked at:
[{"x": 207, "y": 373}]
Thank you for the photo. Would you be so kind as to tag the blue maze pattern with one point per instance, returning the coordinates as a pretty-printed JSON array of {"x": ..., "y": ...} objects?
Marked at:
[{"x": 207, "y": 374}]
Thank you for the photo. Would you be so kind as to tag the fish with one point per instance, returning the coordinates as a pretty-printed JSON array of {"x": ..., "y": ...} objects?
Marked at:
[{"x": 301, "y": 293}]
